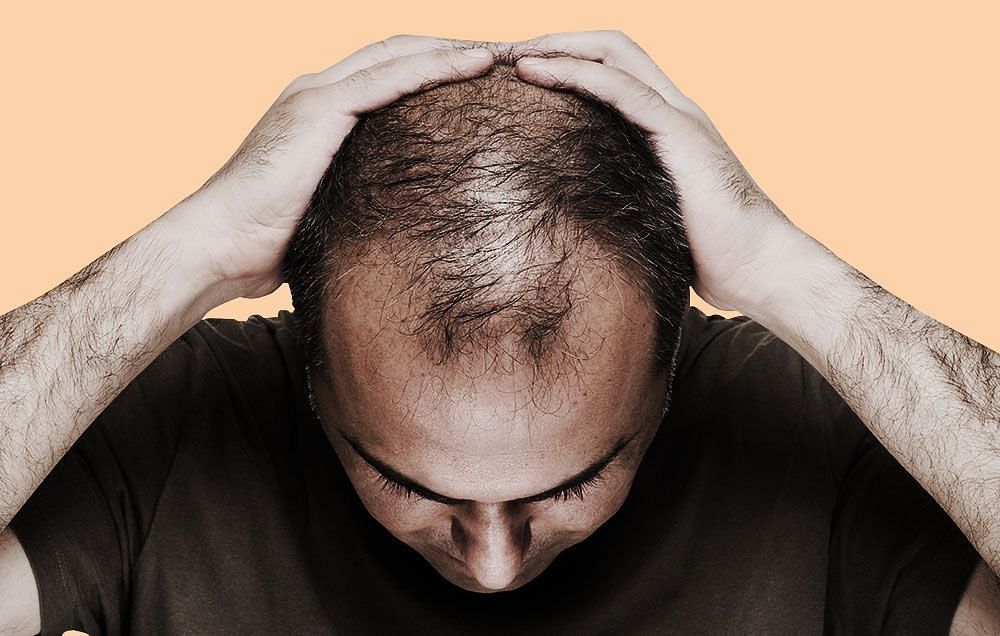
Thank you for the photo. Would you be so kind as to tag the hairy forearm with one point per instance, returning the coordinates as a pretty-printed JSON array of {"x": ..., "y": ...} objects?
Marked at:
[
  {"x": 67, "y": 354},
  {"x": 929, "y": 394}
]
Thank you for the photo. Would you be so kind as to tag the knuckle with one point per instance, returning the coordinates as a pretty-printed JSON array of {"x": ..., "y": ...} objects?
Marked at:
[
  {"x": 382, "y": 51},
  {"x": 445, "y": 54},
  {"x": 301, "y": 82},
  {"x": 374, "y": 49},
  {"x": 258, "y": 152},
  {"x": 283, "y": 119},
  {"x": 650, "y": 94},
  {"x": 359, "y": 80},
  {"x": 392, "y": 46},
  {"x": 646, "y": 101},
  {"x": 399, "y": 38},
  {"x": 618, "y": 39},
  {"x": 694, "y": 108},
  {"x": 306, "y": 105},
  {"x": 295, "y": 102},
  {"x": 441, "y": 58}
]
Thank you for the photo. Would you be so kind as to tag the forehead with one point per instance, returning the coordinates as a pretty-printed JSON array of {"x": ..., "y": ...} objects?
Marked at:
[{"x": 488, "y": 413}]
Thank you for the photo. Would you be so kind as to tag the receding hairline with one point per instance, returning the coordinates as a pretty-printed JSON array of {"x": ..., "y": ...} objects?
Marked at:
[
  {"x": 500, "y": 109},
  {"x": 520, "y": 269},
  {"x": 407, "y": 305}
]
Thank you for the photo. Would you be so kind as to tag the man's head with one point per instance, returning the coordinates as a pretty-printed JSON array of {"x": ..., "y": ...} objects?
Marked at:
[{"x": 488, "y": 285}]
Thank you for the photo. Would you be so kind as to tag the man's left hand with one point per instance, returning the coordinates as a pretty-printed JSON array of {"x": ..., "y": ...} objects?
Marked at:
[
  {"x": 737, "y": 234},
  {"x": 927, "y": 393}
]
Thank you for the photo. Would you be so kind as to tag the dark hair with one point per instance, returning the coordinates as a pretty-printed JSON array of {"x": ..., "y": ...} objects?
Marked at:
[{"x": 457, "y": 177}]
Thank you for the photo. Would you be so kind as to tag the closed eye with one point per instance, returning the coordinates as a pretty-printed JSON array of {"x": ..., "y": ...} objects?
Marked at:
[
  {"x": 397, "y": 484},
  {"x": 577, "y": 490}
]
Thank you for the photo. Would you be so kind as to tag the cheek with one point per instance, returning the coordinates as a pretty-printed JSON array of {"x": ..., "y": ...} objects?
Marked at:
[
  {"x": 401, "y": 516},
  {"x": 408, "y": 519},
  {"x": 561, "y": 524}
]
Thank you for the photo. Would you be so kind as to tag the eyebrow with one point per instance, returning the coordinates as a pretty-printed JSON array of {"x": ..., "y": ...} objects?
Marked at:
[{"x": 399, "y": 478}]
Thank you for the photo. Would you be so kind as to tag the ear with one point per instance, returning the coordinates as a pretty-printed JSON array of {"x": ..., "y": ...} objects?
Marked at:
[{"x": 979, "y": 610}]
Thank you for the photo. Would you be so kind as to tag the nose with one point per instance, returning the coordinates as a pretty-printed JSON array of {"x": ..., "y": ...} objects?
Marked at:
[{"x": 493, "y": 539}]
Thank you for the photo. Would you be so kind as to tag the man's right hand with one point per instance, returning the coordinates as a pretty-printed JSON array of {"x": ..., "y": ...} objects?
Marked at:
[
  {"x": 242, "y": 218},
  {"x": 67, "y": 354}
]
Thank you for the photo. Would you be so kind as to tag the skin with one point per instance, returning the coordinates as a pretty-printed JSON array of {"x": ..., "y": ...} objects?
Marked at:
[
  {"x": 67, "y": 354},
  {"x": 927, "y": 392},
  {"x": 485, "y": 432}
]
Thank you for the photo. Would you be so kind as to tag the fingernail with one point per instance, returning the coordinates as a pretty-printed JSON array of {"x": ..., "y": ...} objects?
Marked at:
[
  {"x": 529, "y": 60},
  {"x": 476, "y": 53}
]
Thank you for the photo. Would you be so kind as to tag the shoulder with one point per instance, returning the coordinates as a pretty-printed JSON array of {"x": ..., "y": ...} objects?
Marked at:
[
  {"x": 221, "y": 353},
  {"x": 741, "y": 377},
  {"x": 703, "y": 334},
  {"x": 233, "y": 341},
  {"x": 739, "y": 356},
  {"x": 252, "y": 355},
  {"x": 219, "y": 373},
  {"x": 256, "y": 366}
]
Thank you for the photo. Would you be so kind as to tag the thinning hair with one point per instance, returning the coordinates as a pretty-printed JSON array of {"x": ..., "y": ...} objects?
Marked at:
[{"x": 490, "y": 194}]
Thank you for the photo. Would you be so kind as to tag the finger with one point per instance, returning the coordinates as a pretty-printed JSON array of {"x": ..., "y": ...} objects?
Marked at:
[
  {"x": 372, "y": 54},
  {"x": 612, "y": 48},
  {"x": 376, "y": 86},
  {"x": 636, "y": 100},
  {"x": 385, "y": 50}
]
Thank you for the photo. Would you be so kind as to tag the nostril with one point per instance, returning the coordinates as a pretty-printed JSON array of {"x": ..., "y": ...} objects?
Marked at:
[
  {"x": 492, "y": 543},
  {"x": 525, "y": 537}
]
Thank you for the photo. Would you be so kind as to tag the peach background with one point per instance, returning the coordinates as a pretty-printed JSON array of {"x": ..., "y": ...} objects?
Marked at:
[{"x": 872, "y": 125}]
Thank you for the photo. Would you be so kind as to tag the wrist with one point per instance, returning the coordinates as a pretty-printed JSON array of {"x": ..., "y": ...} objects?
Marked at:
[
  {"x": 809, "y": 296},
  {"x": 230, "y": 255},
  {"x": 191, "y": 280}
]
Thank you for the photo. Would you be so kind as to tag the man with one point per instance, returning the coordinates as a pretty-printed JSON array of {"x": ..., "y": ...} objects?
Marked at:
[{"x": 491, "y": 411}]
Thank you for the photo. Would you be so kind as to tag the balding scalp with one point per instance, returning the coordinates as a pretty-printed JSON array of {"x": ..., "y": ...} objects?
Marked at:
[{"x": 490, "y": 194}]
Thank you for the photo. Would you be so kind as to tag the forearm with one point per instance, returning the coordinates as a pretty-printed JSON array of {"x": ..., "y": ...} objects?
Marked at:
[
  {"x": 67, "y": 354},
  {"x": 928, "y": 393}
]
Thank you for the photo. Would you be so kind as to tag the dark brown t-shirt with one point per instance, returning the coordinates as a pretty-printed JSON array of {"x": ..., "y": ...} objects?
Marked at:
[{"x": 206, "y": 499}]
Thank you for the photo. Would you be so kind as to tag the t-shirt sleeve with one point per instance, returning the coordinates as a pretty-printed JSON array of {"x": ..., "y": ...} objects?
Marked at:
[
  {"x": 84, "y": 527},
  {"x": 898, "y": 564}
]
